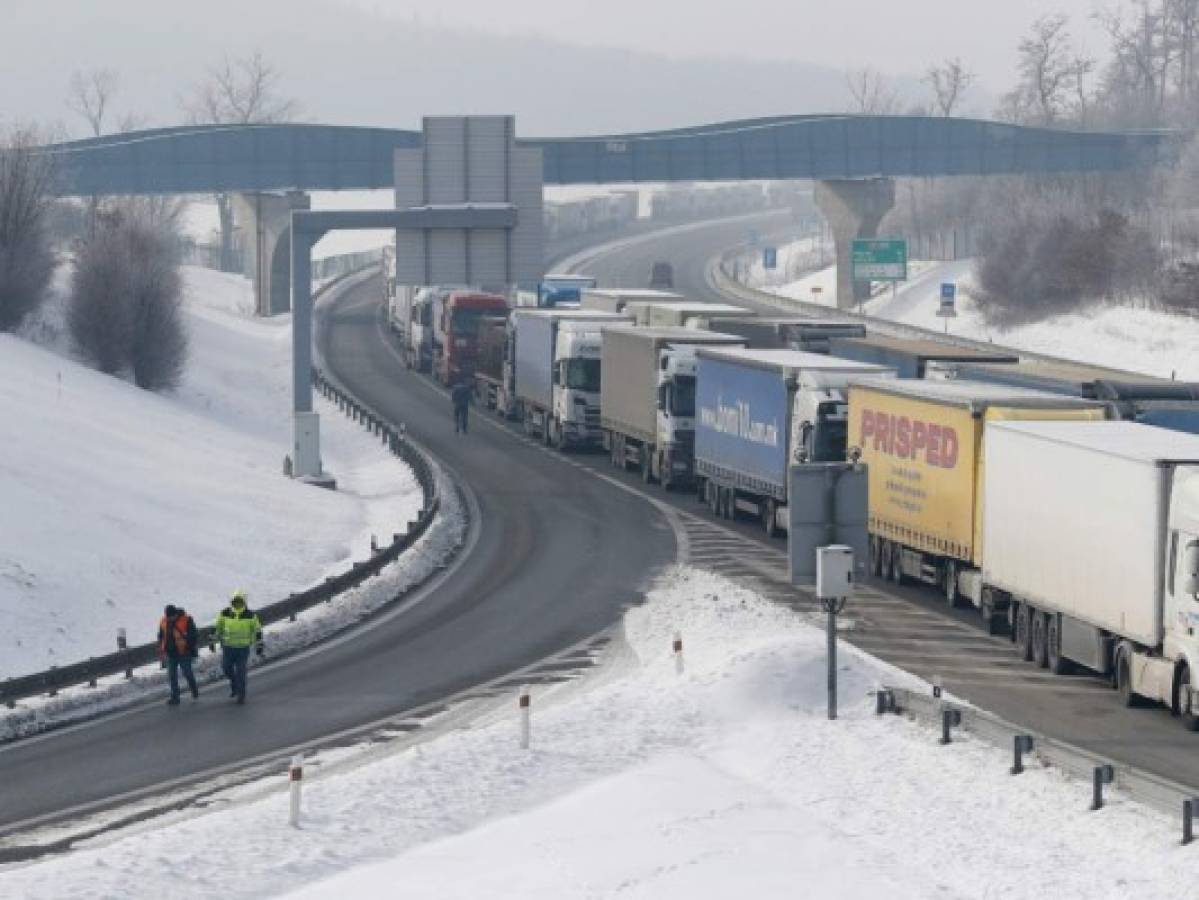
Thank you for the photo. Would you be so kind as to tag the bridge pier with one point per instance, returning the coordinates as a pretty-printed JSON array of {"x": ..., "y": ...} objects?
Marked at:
[
  {"x": 853, "y": 208},
  {"x": 264, "y": 220}
]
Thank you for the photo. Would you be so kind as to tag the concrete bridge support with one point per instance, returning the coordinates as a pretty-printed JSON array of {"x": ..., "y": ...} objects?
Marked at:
[
  {"x": 264, "y": 221},
  {"x": 853, "y": 208}
]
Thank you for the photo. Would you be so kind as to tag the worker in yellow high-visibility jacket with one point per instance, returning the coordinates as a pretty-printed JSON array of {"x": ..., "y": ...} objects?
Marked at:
[{"x": 237, "y": 628}]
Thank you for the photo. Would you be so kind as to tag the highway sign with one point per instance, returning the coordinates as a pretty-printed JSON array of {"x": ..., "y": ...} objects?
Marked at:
[
  {"x": 770, "y": 257},
  {"x": 881, "y": 259},
  {"x": 949, "y": 292}
]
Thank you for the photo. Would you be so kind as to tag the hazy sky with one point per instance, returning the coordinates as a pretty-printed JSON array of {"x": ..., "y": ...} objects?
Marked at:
[{"x": 893, "y": 35}]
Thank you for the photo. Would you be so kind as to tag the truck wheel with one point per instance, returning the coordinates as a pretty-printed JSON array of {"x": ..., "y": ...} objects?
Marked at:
[
  {"x": 949, "y": 582},
  {"x": 987, "y": 608},
  {"x": 770, "y": 517},
  {"x": 1188, "y": 711},
  {"x": 714, "y": 498},
  {"x": 875, "y": 556},
  {"x": 1040, "y": 656},
  {"x": 730, "y": 504},
  {"x": 1128, "y": 697},
  {"x": 896, "y": 563},
  {"x": 1058, "y": 665},
  {"x": 1024, "y": 632},
  {"x": 617, "y": 449},
  {"x": 559, "y": 437},
  {"x": 647, "y": 469},
  {"x": 701, "y": 490}
]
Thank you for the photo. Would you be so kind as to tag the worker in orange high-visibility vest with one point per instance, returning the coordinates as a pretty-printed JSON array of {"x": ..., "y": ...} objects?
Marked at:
[
  {"x": 178, "y": 645},
  {"x": 237, "y": 628}
]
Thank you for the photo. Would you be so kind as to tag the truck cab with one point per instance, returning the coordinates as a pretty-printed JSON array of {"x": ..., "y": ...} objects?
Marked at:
[
  {"x": 819, "y": 419},
  {"x": 577, "y": 382},
  {"x": 457, "y": 331}
]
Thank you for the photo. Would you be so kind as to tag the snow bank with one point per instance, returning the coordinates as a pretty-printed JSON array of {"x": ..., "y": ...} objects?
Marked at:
[
  {"x": 725, "y": 781},
  {"x": 118, "y": 501}
]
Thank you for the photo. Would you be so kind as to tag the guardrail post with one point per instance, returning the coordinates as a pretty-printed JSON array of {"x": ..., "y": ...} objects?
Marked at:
[
  {"x": 950, "y": 718},
  {"x": 1021, "y": 744},
  {"x": 937, "y": 686},
  {"x": 1188, "y": 819},
  {"x": 1100, "y": 776}
]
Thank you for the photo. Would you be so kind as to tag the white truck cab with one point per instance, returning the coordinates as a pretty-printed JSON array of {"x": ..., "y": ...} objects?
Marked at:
[{"x": 577, "y": 381}]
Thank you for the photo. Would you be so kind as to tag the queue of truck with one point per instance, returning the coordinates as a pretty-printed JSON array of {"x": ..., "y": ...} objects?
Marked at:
[{"x": 1059, "y": 499}]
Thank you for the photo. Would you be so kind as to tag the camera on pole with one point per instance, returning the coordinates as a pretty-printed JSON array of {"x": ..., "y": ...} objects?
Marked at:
[{"x": 834, "y": 584}]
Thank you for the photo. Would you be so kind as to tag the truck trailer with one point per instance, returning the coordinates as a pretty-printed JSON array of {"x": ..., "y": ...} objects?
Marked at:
[
  {"x": 1128, "y": 395},
  {"x": 760, "y": 411},
  {"x": 687, "y": 314},
  {"x": 910, "y": 357},
  {"x": 790, "y": 333},
  {"x": 556, "y": 372},
  {"x": 922, "y": 442},
  {"x": 647, "y": 398},
  {"x": 1092, "y": 539},
  {"x": 614, "y": 300}
]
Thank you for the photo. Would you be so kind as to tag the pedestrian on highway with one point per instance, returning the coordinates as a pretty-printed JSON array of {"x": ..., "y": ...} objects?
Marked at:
[
  {"x": 237, "y": 627},
  {"x": 460, "y": 394},
  {"x": 178, "y": 645}
]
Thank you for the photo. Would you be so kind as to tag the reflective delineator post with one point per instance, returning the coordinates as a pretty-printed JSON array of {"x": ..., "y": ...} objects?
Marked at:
[
  {"x": 1021, "y": 744},
  {"x": 295, "y": 775},
  {"x": 1188, "y": 819},
  {"x": 677, "y": 647},
  {"x": 526, "y": 718},
  {"x": 1100, "y": 776}
]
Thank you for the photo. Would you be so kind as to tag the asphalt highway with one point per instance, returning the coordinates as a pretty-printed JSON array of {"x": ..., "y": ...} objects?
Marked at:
[{"x": 557, "y": 556}]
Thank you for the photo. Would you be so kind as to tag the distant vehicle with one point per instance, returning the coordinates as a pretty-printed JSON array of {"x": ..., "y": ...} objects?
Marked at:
[
  {"x": 457, "y": 316},
  {"x": 758, "y": 412},
  {"x": 410, "y": 314},
  {"x": 661, "y": 276},
  {"x": 558, "y": 289},
  {"x": 647, "y": 399}
]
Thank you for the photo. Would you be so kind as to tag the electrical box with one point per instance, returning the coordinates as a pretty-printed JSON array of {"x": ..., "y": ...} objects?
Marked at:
[
  {"x": 307, "y": 446},
  {"x": 834, "y": 572}
]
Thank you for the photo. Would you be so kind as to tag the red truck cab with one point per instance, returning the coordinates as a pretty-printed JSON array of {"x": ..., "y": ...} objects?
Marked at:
[{"x": 460, "y": 315}]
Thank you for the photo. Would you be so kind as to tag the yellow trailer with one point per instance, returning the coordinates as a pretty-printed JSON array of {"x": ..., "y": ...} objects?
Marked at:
[{"x": 922, "y": 442}]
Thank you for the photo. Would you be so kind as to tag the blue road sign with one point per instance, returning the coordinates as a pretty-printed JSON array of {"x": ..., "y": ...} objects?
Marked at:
[
  {"x": 770, "y": 256},
  {"x": 949, "y": 291}
]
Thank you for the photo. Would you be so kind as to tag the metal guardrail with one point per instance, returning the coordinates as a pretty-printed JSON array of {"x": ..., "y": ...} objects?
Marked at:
[
  {"x": 88, "y": 671},
  {"x": 1161, "y": 794}
]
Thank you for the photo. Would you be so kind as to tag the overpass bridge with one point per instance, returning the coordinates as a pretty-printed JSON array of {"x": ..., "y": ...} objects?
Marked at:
[{"x": 853, "y": 159}]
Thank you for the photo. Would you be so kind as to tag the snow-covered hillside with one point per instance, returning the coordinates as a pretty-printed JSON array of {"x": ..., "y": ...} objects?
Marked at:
[
  {"x": 725, "y": 781},
  {"x": 117, "y": 501},
  {"x": 1122, "y": 337}
]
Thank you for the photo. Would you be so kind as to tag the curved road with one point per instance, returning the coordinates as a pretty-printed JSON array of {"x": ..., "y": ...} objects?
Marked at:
[{"x": 559, "y": 555}]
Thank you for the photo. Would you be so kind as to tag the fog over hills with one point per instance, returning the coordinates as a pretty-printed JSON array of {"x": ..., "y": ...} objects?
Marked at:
[{"x": 348, "y": 66}]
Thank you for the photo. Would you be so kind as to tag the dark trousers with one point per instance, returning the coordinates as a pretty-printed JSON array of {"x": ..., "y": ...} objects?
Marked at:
[
  {"x": 174, "y": 664},
  {"x": 234, "y": 661},
  {"x": 460, "y": 414}
]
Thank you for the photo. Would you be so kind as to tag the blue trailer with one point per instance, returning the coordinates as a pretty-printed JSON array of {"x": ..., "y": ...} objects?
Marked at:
[
  {"x": 563, "y": 289},
  {"x": 757, "y": 413}
]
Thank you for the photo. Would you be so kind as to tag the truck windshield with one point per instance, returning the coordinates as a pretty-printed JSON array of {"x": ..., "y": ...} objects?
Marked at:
[
  {"x": 832, "y": 432},
  {"x": 466, "y": 321},
  {"x": 583, "y": 375},
  {"x": 682, "y": 396}
]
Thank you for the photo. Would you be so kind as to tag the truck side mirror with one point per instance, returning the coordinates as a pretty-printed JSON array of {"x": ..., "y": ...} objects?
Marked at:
[{"x": 1191, "y": 560}]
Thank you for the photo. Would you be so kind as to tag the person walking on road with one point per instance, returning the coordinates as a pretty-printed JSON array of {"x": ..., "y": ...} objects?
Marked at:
[
  {"x": 460, "y": 394},
  {"x": 178, "y": 646},
  {"x": 237, "y": 627}
]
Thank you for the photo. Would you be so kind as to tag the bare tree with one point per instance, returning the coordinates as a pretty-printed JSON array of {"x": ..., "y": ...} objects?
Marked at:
[
  {"x": 871, "y": 93},
  {"x": 26, "y": 257},
  {"x": 90, "y": 95},
  {"x": 125, "y": 309},
  {"x": 1050, "y": 71},
  {"x": 949, "y": 82},
  {"x": 238, "y": 92}
]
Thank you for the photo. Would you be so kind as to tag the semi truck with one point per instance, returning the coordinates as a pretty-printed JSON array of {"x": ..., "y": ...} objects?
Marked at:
[
  {"x": 614, "y": 300},
  {"x": 1092, "y": 539},
  {"x": 492, "y": 388},
  {"x": 410, "y": 315},
  {"x": 790, "y": 333},
  {"x": 760, "y": 411},
  {"x": 922, "y": 442},
  {"x": 1128, "y": 395},
  {"x": 456, "y": 318},
  {"x": 647, "y": 398},
  {"x": 911, "y": 357},
  {"x": 556, "y": 372}
]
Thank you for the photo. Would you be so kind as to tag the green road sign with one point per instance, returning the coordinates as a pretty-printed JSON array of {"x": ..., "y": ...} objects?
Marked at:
[{"x": 883, "y": 259}]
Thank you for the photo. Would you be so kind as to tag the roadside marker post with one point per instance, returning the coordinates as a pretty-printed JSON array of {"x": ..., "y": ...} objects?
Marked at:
[
  {"x": 526, "y": 718},
  {"x": 677, "y": 648},
  {"x": 295, "y": 775}
]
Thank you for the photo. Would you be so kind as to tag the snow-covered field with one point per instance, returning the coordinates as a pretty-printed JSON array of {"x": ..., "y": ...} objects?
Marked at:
[
  {"x": 118, "y": 501},
  {"x": 1122, "y": 337},
  {"x": 724, "y": 781}
]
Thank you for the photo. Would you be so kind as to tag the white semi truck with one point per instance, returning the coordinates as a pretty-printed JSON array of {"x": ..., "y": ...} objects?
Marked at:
[
  {"x": 647, "y": 401},
  {"x": 410, "y": 314},
  {"x": 554, "y": 370},
  {"x": 1091, "y": 533}
]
